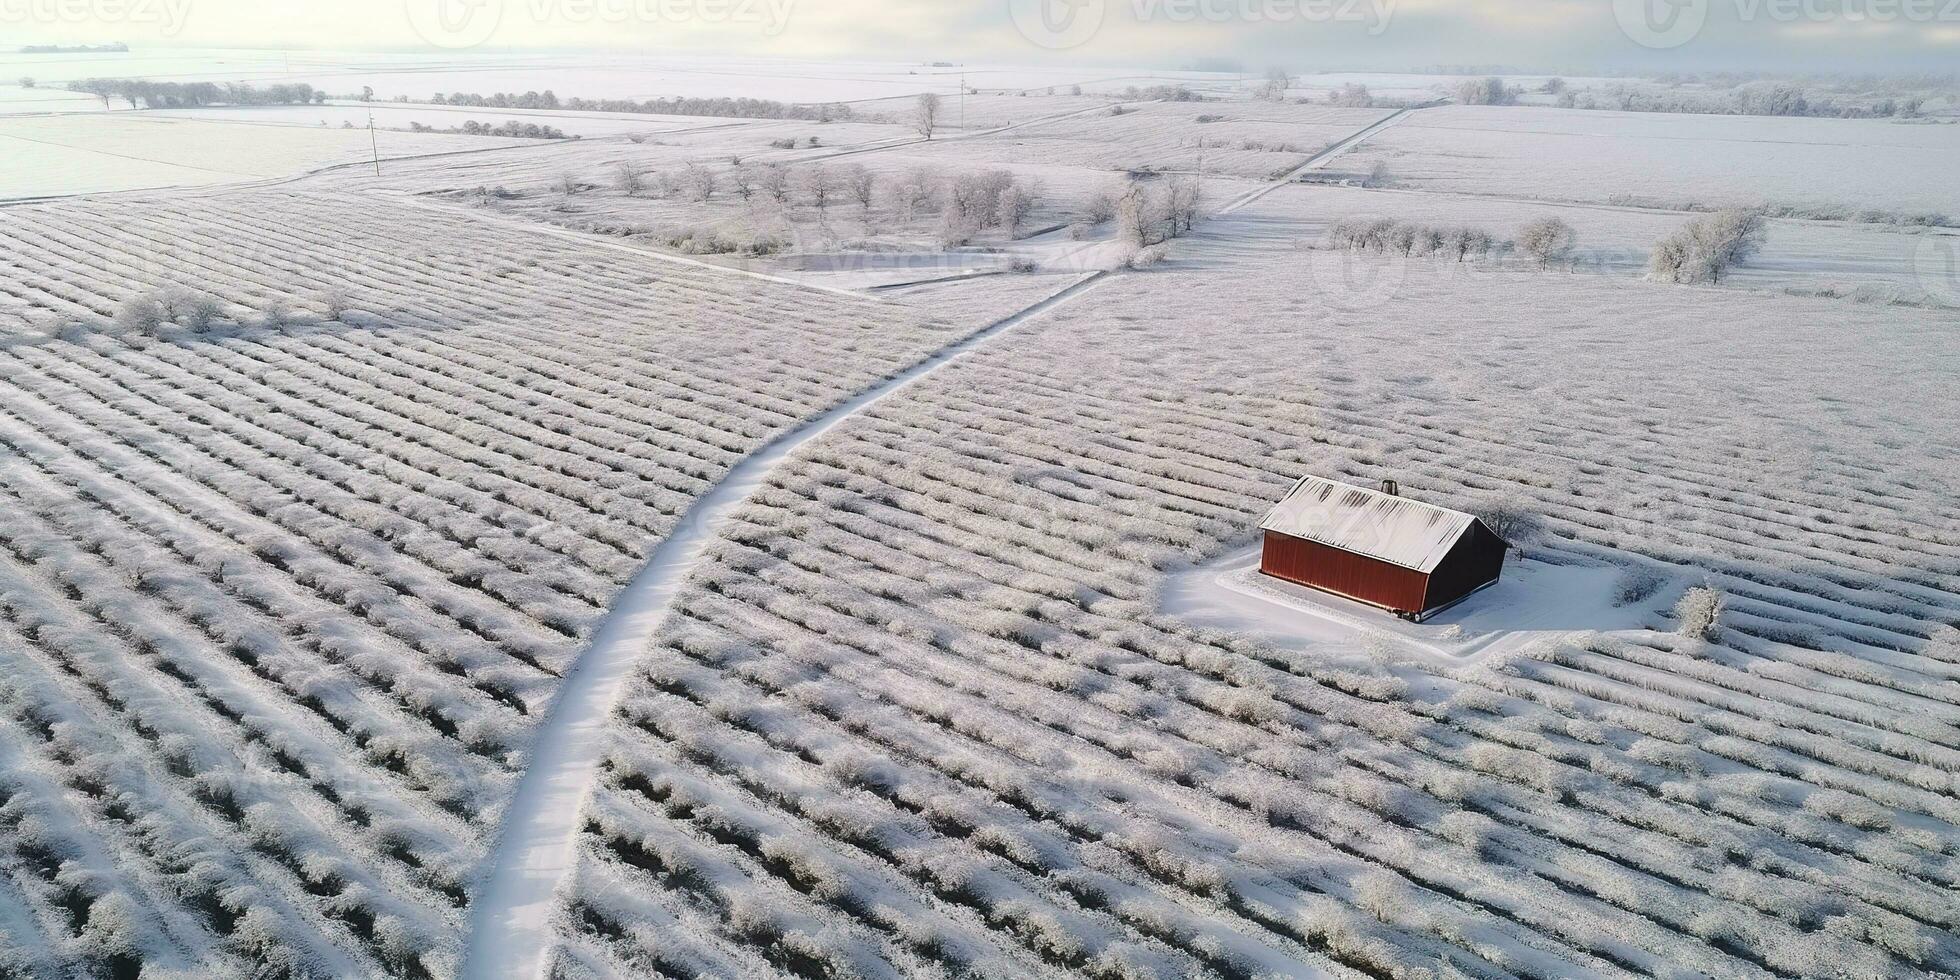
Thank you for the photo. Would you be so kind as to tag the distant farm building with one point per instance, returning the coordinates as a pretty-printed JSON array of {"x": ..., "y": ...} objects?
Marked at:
[{"x": 1375, "y": 546}]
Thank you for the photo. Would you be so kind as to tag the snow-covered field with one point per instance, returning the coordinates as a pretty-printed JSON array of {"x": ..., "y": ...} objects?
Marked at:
[
  {"x": 68, "y": 154},
  {"x": 493, "y": 586},
  {"x": 922, "y": 712},
  {"x": 1671, "y": 160},
  {"x": 333, "y": 568},
  {"x": 391, "y": 116}
]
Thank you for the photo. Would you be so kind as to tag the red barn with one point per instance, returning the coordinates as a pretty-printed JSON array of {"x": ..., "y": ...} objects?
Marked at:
[{"x": 1411, "y": 558}]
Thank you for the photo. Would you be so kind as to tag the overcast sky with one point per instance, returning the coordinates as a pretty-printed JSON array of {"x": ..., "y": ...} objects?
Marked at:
[{"x": 1551, "y": 35}]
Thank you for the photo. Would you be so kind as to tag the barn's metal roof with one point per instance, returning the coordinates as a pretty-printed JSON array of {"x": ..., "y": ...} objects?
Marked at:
[{"x": 1396, "y": 530}]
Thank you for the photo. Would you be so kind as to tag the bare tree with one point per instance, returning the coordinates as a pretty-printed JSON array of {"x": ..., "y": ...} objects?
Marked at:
[
  {"x": 818, "y": 186},
  {"x": 862, "y": 185},
  {"x": 568, "y": 185},
  {"x": 1547, "y": 240},
  {"x": 1401, "y": 238},
  {"x": 632, "y": 178},
  {"x": 1485, "y": 91},
  {"x": 1352, "y": 95},
  {"x": 698, "y": 181},
  {"x": 1133, "y": 217},
  {"x": 1186, "y": 197},
  {"x": 1101, "y": 208},
  {"x": 917, "y": 192},
  {"x": 1017, "y": 201},
  {"x": 927, "y": 114},
  {"x": 774, "y": 182},
  {"x": 1273, "y": 89},
  {"x": 744, "y": 180}
]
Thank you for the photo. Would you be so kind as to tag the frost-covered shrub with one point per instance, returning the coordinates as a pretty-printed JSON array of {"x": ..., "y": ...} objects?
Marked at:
[
  {"x": 1697, "y": 611},
  {"x": 1381, "y": 893},
  {"x": 1635, "y": 585},
  {"x": 1485, "y": 91},
  {"x": 193, "y": 310},
  {"x": 1512, "y": 519},
  {"x": 1547, "y": 240},
  {"x": 1100, "y": 207},
  {"x": 275, "y": 311},
  {"x": 1474, "y": 831},
  {"x": 1147, "y": 256},
  {"x": 141, "y": 315},
  {"x": 334, "y": 302},
  {"x": 1705, "y": 249}
]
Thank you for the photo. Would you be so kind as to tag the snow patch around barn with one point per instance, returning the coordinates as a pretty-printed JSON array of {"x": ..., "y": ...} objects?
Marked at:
[{"x": 1535, "y": 601}]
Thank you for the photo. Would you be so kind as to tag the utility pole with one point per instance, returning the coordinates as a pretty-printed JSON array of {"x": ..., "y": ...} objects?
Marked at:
[{"x": 374, "y": 142}]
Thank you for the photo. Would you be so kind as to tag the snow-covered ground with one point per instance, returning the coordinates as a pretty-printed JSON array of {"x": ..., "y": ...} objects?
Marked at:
[
  {"x": 492, "y": 580},
  {"x": 1673, "y": 160},
  {"x": 79, "y": 154},
  {"x": 1533, "y": 602}
]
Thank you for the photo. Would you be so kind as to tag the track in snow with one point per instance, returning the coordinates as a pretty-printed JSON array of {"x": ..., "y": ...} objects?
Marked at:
[{"x": 510, "y": 921}]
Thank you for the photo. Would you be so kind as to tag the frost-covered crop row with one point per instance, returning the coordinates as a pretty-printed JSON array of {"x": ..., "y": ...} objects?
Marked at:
[
  {"x": 919, "y": 714},
  {"x": 283, "y": 598}
]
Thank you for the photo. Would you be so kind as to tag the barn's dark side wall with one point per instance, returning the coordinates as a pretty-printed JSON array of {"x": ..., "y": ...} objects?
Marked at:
[{"x": 1477, "y": 559}]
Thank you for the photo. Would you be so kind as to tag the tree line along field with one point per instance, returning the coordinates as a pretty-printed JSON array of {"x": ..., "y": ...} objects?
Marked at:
[
  {"x": 283, "y": 599},
  {"x": 919, "y": 716}
]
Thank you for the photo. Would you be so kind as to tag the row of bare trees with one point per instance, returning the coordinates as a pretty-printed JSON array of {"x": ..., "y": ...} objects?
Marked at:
[
  {"x": 1701, "y": 251},
  {"x": 967, "y": 203}
]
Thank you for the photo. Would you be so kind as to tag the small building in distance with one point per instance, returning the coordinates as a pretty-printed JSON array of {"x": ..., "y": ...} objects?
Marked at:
[{"x": 1378, "y": 547}]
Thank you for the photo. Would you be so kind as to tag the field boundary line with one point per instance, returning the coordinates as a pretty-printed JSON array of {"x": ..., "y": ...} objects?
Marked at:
[
  {"x": 600, "y": 241},
  {"x": 1320, "y": 159}
]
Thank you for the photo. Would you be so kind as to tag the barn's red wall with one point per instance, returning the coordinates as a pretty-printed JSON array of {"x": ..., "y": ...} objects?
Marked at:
[{"x": 1356, "y": 576}]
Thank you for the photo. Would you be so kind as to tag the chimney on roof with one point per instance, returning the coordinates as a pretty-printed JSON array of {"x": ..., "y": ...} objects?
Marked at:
[{"x": 1390, "y": 488}]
